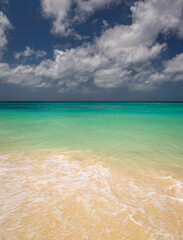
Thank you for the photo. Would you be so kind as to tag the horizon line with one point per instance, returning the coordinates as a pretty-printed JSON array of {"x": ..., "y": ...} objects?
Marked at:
[{"x": 90, "y": 101}]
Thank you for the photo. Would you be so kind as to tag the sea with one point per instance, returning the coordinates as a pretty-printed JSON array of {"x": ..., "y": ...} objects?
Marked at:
[{"x": 91, "y": 170}]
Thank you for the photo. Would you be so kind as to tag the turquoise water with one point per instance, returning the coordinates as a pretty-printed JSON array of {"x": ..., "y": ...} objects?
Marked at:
[
  {"x": 91, "y": 170},
  {"x": 144, "y": 134}
]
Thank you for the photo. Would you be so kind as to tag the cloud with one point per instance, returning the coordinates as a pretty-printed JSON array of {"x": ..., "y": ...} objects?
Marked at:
[
  {"x": 174, "y": 68},
  {"x": 71, "y": 67},
  {"x": 5, "y": 2},
  {"x": 22, "y": 75},
  {"x": 66, "y": 12},
  {"x": 67, "y": 70},
  {"x": 30, "y": 52},
  {"x": 122, "y": 56},
  {"x": 174, "y": 65},
  {"x": 132, "y": 48},
  {"x": 4, "y": 26},
  {"x": 124, "y": 45},
  {"x": 137, "y": 42},
  {"x": 105, "y": 24},
  {"x": 91, "y": 5},
  {"x": 105, "y": 77},
  {"x": 57, "y": 10}
]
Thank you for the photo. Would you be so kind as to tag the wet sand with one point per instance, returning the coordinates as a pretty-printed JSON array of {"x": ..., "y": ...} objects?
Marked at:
[{"x": 48, "y": 195}]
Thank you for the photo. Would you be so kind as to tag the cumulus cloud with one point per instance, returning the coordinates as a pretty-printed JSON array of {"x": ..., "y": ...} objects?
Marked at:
[
  {"x": 121, "y": 56},
  {"x": 174, "y": 68},
  {"x": 130, "y": 46},
  {"x": 71, "y": 67},
  {"x": 22, "y": 75},
  {"x": 136, "y": 42},
  {"x": 57, "y": 10},
  {"x": 4, "y": 26},
  {"x": 30, "y": 52},
  {"x": 60, "y": 12},
  {"x": 174, "y": 65},
  {"x": 105, "y": 77}
]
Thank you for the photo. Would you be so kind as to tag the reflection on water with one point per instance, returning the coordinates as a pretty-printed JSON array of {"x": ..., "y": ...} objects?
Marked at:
[{"x": 72, "y": 195}]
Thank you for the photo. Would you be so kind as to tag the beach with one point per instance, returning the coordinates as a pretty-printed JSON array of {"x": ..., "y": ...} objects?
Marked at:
[{"x": 91, "y": 170}]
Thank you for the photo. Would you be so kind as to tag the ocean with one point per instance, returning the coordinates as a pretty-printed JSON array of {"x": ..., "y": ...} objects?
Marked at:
[{"x": 91, "y": 170}]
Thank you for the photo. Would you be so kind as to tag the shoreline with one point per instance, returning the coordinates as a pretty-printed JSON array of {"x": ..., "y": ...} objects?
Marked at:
[{"x": 69, "y": 198}]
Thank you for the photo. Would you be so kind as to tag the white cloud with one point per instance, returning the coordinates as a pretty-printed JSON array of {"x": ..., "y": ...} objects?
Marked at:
[
  {"x": 148, "y": 77},
  {"x": 4, "y": 72},
  {"x": 111, "y": 77},
  {"x": 22, "y": 75},
  {"x": 60, "y": 12},
  {"x": 30, "y": 52},
  {"x": 135, "y": 44},
  {"x": 71, "y": 67},
  {"x": 174, "y": 68},
  {"x": 125, "y": 45},
  {"x": 4, "y": 26},
  {"x": 121, "y": 56},
  {"x": 174, "y": 65},
  {"x": 91, "y": 5},
  {"x": 156, "y": 16},
  {"x": 57, "y": 10}
]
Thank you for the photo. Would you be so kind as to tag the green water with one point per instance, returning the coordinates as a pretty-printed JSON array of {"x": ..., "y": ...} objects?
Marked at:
[{"x": 143, "y": 134}]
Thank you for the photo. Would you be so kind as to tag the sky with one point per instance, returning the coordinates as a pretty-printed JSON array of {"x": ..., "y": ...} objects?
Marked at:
[{"x": 91, "y": 50}]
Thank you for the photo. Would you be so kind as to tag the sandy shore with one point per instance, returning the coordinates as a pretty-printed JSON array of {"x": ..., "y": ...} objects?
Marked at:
[{"x": 48, "y": 195}]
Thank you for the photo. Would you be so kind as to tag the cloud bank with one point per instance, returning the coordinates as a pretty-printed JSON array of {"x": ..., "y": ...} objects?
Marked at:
[{"x": 122, "y": 56}]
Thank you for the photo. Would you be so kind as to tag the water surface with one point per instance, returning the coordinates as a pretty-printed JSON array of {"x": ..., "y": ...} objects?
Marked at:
[{"x": 91, "y": 170}]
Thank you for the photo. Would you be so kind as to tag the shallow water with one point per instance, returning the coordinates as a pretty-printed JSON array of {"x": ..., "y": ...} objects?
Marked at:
[{"x": 91, "y": 171}]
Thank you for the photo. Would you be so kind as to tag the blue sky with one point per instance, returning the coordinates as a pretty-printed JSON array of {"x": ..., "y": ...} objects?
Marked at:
[{"x": 91, "y": 50}]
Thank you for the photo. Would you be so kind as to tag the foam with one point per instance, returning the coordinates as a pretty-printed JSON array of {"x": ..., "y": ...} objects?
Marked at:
[{"x": 54, "y": 196}]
